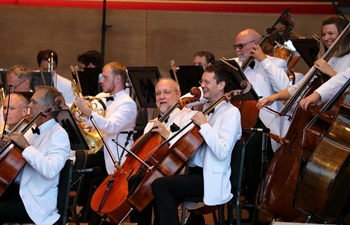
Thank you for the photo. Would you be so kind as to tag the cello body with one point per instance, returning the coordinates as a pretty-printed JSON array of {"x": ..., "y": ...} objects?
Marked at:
[
  {"x": 110, "y": 198},
  {"x": 172, "y": 163},
  {"x": 10, "y": 165},
  {"x": 322, "y": 189}
]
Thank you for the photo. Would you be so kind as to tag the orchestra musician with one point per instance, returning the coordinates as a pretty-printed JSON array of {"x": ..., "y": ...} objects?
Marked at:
[
  {"x": 61, "y": 83},
  {"x": 203, "y": 58},
  {"x": 34, "y": 193},
  {"x": 332, "y": 26},
  {"x": 18, "y": 79},
  {"x": 167, "y": 93},
  {"x": 267, "y": 75},
  {"x": 118, "y": 123},
  {"x": 209, "y": 165},
  {"x": 90, "y": 59}
]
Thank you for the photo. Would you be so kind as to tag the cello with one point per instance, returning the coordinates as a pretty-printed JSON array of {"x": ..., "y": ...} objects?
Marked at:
[
  {"x": 12, "y": 161},
  {"x": 282, "y": 173},
  {"x": 321, "y": 190},
  {"x": 110, "y": 198}
]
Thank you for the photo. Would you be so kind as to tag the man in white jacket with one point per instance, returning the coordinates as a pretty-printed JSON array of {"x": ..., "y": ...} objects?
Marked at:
[
  {"x": 35, "y": 189},
  {"x": 209, "y": 165}
]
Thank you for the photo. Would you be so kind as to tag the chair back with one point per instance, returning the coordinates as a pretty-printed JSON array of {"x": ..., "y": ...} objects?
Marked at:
[
  {"x": 63, "y": 191},
  {"x": 80, "y": 163}
]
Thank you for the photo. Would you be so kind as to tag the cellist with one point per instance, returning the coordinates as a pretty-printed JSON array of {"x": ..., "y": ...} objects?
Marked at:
[
  {"x": 209, "y": 165},
  {"x": 34, "y": 196},
  {"x": 167, "y": 92}
]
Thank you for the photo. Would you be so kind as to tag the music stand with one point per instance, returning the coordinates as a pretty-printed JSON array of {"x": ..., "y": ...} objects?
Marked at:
[
  {"x": 308, "y": 49},
  {"x": 237, "y": 76},
  {"x": 76, "y": 139},
  {"x": 89, "y": 81},
  {"x": 143, "y": 81},
  {"x": 188, "y": 77},
  {"x": 40, "y": 78}
]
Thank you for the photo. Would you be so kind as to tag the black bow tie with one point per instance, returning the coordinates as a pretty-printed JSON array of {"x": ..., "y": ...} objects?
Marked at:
[
  {"x": 174, "y": 127},
  {"x": 36, "y": 130},
  {"x": 252, "y": 64},
  {"x": 166, "y": 120},
  {"x": 109, "y": 98}
]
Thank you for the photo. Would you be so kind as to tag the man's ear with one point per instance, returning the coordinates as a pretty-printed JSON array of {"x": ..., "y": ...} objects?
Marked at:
[{"x": 25, "y": 111}]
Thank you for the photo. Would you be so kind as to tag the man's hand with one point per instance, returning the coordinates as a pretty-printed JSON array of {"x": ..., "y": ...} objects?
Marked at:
[{"x": 160, "y": 129}]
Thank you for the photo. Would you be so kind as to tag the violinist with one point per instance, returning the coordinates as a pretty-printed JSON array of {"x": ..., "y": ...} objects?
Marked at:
[
  {"x": 209, "y": 165},
  {"x": 167, "y": 93},
  {"x": 34, "y": 192},
  {"x": 118, "y": 123},
  {"x": 267, "y": 75},
  {"x": 326, "y": 91},
  {"x": 331, "y": 28}
]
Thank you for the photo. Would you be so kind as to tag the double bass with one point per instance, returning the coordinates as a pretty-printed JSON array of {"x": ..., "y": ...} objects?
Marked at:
[
  {"x": 322, "y": 190},
  {"x": 283, "y": 171}
]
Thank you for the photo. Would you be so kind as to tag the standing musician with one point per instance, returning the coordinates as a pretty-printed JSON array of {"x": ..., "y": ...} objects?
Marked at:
[
  {"x": 340, "y": 61},
  {"x": 61, "y": 83},
  {"x": 326, "y": 91},
  {"x": 34, "y": 194},
  {"x": 18, "y": 79},
  {"x": 118, "y": 123},
  {"x": 167, "y": 93},
  {"x": 267, "y": 76},
  {"x": 209, "y": 166}
]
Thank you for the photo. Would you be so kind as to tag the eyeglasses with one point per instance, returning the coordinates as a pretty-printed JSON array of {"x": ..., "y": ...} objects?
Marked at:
[
  {"x": 204, "y": 82},
  {"x": 241, "y": 46},
  {"x": 165, "y": 92}
]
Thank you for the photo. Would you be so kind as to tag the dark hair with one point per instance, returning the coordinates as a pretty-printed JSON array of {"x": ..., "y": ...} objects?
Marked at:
[
  {"x": 45, "y": 55},
  {"x": 94, "y": 57},
  {"x": 340, "y": 23},
  {"x": 209, "y": 57},
  {"x": 221, "y": 74}
]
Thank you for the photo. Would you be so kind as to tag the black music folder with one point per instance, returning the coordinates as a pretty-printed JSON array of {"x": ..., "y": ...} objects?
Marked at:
[
  {"x": 308, "y": 49},
  {"x": 143, "y": 81},
  {"x": 188, "y": 77},
  {"x": 238, "y": 76},
  {"x": 76, "y": 139},
  {"x": 89, "y": 81}
]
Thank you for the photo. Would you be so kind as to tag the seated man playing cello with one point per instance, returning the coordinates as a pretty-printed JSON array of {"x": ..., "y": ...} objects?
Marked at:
[
  {"x": 167, "y": 93},
  {"x": 33, "y": 195}
]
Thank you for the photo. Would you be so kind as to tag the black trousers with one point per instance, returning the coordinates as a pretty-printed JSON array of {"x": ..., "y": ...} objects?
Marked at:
[
  {"x": 11, "y": 207},
  {"x": 171, "y": 190}
]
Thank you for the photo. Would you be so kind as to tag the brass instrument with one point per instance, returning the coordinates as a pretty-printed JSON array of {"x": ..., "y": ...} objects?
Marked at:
[{"x": 90, "y": 135}]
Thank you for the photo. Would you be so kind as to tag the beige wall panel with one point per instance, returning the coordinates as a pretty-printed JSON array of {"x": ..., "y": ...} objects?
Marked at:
[{"x": 135, "y": 38}]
